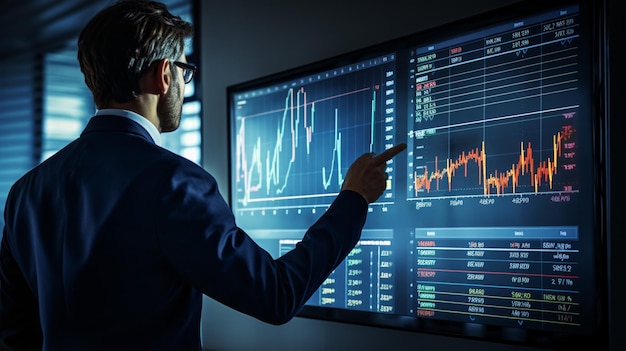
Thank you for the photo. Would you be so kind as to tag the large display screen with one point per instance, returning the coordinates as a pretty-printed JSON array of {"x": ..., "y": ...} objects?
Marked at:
[{"x": 489, "y": 225}]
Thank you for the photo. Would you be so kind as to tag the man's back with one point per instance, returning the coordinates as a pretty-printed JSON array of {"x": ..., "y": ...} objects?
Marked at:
[
  {"x": 88, "y": 213},
  {"x": 118, "y": 239}
]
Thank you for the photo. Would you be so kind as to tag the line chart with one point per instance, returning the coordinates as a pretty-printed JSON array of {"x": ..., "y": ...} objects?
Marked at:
[{"x": 294, "y": 145}]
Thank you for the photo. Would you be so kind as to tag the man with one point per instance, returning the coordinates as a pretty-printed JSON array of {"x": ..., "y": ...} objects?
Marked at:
[{"x": 110, "y": 243}]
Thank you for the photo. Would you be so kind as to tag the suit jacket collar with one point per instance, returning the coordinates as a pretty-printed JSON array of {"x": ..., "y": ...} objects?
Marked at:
[{"x": 112, "y": 123}]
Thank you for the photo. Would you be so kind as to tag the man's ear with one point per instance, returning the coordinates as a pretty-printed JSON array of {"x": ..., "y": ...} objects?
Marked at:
[{"x": 163, "y": 75}]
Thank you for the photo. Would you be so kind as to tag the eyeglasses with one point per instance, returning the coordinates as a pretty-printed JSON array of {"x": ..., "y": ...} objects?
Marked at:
[{"x": 188, "y": 70}]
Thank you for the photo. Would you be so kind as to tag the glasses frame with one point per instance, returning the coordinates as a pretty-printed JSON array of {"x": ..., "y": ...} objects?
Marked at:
[{"x": 189, "y": 70}]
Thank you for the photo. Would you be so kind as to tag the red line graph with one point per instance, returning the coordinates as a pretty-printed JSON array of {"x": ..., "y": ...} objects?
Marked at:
[{"x": 538, "y": 172}]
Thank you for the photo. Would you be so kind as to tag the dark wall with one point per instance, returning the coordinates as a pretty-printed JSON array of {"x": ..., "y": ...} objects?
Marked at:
[{"x": 616, "y": 240}]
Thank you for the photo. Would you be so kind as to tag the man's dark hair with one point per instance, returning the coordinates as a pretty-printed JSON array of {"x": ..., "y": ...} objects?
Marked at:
[{"x": 122, "y": 42}]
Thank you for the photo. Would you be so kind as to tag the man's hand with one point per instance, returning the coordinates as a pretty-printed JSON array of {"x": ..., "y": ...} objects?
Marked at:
[{"x": 367, "y": 174}]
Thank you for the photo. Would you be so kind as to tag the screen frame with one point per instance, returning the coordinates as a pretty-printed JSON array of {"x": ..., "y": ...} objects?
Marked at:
[{"x": 593, "y": 12}]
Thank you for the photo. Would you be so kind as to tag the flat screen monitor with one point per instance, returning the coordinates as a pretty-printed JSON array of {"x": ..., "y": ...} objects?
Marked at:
[{"x": 490, "y": 224}]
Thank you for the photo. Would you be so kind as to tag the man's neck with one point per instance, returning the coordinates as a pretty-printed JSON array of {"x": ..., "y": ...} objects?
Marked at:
[{"x": 143, "y": 105}]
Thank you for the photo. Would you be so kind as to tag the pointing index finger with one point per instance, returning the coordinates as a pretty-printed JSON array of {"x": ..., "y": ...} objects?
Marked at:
[{"x": 388, "y": 154}]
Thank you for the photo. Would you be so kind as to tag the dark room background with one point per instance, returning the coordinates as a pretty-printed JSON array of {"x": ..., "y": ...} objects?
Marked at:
[{"x": 236, "y": 41}]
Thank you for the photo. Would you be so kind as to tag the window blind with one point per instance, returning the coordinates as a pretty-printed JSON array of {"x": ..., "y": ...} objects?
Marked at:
[
  {"x": 67, "y": 102},
  {"x": 19, "y": 113}
]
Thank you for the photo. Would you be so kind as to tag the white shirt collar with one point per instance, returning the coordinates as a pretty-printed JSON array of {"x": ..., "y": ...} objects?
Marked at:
[{"x": 149, "y": 127}]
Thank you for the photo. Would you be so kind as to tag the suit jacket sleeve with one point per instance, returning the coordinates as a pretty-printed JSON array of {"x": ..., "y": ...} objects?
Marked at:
[
  {"x": 200, "y": 238},
  {"x": 19, "y": 315}
]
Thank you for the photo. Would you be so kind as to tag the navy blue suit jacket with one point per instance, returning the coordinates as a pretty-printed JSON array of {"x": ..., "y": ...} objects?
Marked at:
[{"x": 110, "y": 244}]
